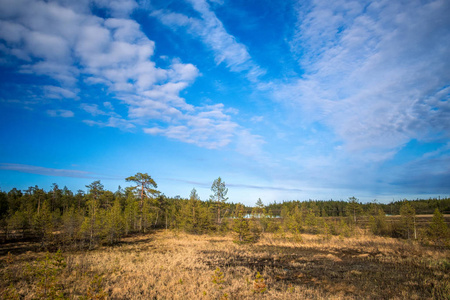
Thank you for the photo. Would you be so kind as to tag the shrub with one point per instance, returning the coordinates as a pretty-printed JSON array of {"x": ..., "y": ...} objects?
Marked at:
[{"x": 47, "y": 271}]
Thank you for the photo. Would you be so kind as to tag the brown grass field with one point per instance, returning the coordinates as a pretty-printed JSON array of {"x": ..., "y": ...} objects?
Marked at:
[{"x": 171, "y": 265}]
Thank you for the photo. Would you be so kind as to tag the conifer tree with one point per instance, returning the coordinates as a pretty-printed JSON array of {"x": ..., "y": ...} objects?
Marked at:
[
  {"x": 56, "y": 197},
  {"x": 259, "y": 212},
  {"x": 194, "y": 200},
  {"x": 4, "y": 205},
  {"x": 259, "y": 207},
  {"x": 114, "y": 223},
  {"x": 377, "y": 222},
  {"x": 353, "y": 210},
  {"x": 189, "y": 213},
  {"x": 310, "y": 220},
  {"x": 408, "y": 219},
  {"x": 195, "y": 216},
  {"x": 130, "y": 214},
  {"x": 17, "y": 224},
  {"x": 42, "y": 224},
  {"x": 219, "y": 197},
  {"x": 292, "y": 219},
  {"x": 72, "y": 221},
  {"x": 438, "y": 231},
  {"x": 241, "y": 226},
  {"x": 92, "y": 223},
  {"x": 147, "y": 187}
]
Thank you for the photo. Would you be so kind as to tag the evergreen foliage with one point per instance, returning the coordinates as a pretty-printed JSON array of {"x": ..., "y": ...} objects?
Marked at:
[
  {"x": 146, "y": 187},
  {"x": 408, "y": 220},
  {"x": 247, "y": 230},
  {"x": 438, "y": 231},
  {"x": 195, "y": 217},
  {"x": 47, "y": 270},
  {"x": 219, "y": 196},
  {"x": 97, "y": 216}
]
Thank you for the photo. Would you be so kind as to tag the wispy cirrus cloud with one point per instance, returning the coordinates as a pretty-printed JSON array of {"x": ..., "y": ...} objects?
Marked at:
[
  {"x": 375, "y": 75},
  {"x": 237, "y": 185},
  {"x": 270, "y": 188},
  {"x": 427, "y": 173},
  {"x": 46, "y": 171},
  {"x": 213, "y": 34},
  {"x": 376, "y": 72}
]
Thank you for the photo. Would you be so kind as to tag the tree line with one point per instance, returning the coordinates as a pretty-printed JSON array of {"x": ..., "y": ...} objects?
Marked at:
[
  {"x": 339, "y": 208},
  {"x": 99, "y": 216}
]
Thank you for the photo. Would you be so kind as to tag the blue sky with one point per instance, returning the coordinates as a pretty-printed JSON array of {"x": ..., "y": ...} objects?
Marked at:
[{"x": 283, "y": 99}]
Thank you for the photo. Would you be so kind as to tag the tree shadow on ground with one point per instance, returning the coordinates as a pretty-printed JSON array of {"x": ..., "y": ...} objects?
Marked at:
[
  {"x": 21, "y": 246},
  {"x": 351, "y": 272}
]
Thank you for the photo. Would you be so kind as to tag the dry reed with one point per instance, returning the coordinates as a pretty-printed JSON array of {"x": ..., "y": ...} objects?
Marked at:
[{"x": 173, "y": 265}]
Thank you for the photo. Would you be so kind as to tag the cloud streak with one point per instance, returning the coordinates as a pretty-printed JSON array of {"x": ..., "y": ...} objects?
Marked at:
[
  {"x": 270, "y": 188},
  {"x": 46, "y": 171},
  {"x": 31, "y": 169},
  {"x": 213, "y": 34},
  {"x": 237, "y": 185}
]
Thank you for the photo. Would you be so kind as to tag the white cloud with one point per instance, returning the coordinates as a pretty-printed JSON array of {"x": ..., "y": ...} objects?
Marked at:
[
  {"x": 250, "y": 144},
  {"x": 207, "y": 127},
  {"x": 92, "y": 109},
  {"x": 60, "y": 113},
  {"x": 67, "y": 42},
  {"x": 43, "y": 32},
  {"x": 57, "y": 92},
  {"x": 211, "y": 127},
  {"x": 212, "y": 32},
  {"x": 374, "y": 71},
  {"x": 434, "y": 154},
  {"x": 257, "y": 119},
  {"x": 112, "y": 122},
  {"x": 376, "y": 75}
]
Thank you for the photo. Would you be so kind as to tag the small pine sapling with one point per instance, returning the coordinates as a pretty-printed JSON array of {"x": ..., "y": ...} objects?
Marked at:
[
  {"x": 218, "y": 278},
  {"x": 259, "y": 285}
]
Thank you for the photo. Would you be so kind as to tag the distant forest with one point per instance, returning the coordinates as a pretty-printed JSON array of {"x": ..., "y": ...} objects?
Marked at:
[
  {"x": 85, "y": 220},
  {"x": 340, "y": 208}
]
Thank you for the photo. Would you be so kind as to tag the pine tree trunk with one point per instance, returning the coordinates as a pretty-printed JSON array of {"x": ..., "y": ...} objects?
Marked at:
[
  {"x": 218, "y": 215},
  {"x": 156, "y": 221}
]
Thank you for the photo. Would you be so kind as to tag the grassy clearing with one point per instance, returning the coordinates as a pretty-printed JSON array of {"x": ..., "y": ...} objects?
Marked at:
[{"x": 171, "y": 265}]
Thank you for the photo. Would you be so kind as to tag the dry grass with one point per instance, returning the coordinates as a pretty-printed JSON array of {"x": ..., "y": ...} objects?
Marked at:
[{"x": 170, "y": 265}]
